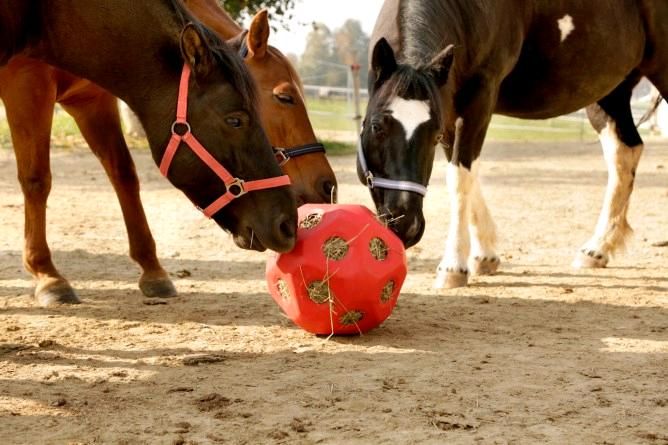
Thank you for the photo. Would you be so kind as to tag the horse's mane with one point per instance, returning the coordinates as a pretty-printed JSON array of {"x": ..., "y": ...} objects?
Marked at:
[
  {"x": 233, "y": 67},
  {"x": 426, "y": 26}
]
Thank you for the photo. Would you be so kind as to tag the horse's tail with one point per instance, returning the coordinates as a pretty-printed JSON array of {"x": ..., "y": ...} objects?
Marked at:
[{"x": 652, "y": 109}]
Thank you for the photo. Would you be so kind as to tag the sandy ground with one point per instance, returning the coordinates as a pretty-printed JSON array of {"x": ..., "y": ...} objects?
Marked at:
[{"x": 540, "y": 353}]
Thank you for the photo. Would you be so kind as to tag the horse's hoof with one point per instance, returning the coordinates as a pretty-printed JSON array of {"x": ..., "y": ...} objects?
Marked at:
[
  {"x": 485, "y": 265},
  {"x": 451, "y": 279},
  {"x": 158, "y": 288},
  {"x": 56, "y": 294},
  {"x": 590, "y": 259}
]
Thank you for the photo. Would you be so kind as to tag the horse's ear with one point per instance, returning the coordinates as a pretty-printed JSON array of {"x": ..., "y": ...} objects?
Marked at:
[
  {"x": 439, "y": 67},
  {"x": 195, "y": 51},
  {"x": 258, "y": 35},
  {"x": 383, "y": 61}
]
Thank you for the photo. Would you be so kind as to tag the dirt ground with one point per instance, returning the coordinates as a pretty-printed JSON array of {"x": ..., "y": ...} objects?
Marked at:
[{"x": 540, "y": 353}]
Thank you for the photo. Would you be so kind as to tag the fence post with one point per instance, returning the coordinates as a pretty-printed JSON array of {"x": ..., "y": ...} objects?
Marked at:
[{"x": 355, "y": 71}]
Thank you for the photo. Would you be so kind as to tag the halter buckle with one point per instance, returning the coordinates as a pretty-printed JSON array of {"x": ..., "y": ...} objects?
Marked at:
[
  {"x": 236, "y": 188},
  {"x": 281, "y": 157},
  {"x": 185, "y": 124},
  {"x": 369, "y": 180}
]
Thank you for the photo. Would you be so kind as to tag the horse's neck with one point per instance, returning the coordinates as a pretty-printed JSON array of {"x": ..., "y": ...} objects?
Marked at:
[
  {"x": 213, "y": 16},
  {"x": 134, "y": 54},
  {"x": 426, "y": 28},
  {"x": 14, "y": 27}
]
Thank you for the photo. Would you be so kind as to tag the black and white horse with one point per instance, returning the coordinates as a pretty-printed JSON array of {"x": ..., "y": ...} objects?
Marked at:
[{"x": 441, "y": 68}]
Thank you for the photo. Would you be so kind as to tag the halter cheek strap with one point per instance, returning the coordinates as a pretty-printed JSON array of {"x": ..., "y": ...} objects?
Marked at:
[
  {"x": 235, "y": 187},
  {"x": 283, "y": 155},
  {"x": 383, "y": 183}
]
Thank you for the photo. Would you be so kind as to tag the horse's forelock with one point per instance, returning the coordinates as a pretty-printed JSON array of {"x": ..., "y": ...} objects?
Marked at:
[
  {"x": 411, "y": 84},
  {"x": 233, "y": 66},
  {"x": 229, "y": 61}
]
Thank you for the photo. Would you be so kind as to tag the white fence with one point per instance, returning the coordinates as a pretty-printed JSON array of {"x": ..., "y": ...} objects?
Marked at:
[{"x": 574, "y": 126}]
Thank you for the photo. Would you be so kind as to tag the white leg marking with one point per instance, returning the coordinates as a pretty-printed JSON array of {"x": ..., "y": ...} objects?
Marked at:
[
  {"x": 457, "y": 247},
  {"x": 612, "y": 228},
  {"x": 482, "y": 228},
  {"x": 410, "y": 113},
  {"x": 566, "y": 26}
]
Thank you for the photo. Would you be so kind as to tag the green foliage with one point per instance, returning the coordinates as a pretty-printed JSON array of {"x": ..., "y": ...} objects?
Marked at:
[{"x": 281, "y": 10}]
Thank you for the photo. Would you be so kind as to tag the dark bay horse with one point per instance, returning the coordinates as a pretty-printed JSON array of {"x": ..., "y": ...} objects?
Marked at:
[
  {"x": 30, "y": 87},
  {"x": 149, "y": 54},
  {"x": 441, "y": 68}
]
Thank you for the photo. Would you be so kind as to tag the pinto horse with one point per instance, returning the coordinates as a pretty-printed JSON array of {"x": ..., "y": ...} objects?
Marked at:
[
  {"x": 149, "y": 54},
  {"x": 441, "y": 68}
]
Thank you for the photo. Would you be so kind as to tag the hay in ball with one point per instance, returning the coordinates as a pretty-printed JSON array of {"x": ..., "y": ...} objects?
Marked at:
[{"x": 344, "y": 274}]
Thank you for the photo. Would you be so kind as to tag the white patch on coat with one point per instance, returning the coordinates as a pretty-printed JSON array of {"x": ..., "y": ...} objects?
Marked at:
[
  {"x": 612, "y": 228},
  {"x": 566, "y": 26},
  {"x": 410, "y": 113},
  {"x": 458, "y": 245}
]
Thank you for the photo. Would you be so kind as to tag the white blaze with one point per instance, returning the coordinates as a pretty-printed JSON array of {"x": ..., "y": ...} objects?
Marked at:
[
  {"x": 410, "y": 113},
  {"x": 566, "y": 26}
]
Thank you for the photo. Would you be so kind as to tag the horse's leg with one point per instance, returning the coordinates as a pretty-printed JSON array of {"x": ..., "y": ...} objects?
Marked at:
[
  {"x": 29, "y": 107},
  {"x": 483, "y": 260},
  {"x": 622, "y": 146},
  {"x": 470, "y": 130},
  {"x": 98, "y": 119}
]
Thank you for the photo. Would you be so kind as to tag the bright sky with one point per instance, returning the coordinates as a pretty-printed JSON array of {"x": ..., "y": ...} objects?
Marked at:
[{"x": 332, "y": 13}]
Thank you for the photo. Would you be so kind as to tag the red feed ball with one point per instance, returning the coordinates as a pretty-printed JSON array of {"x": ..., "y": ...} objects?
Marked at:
[{"x": 344, "y": 274}]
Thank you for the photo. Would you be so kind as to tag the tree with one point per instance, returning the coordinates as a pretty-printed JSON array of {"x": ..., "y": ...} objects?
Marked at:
[
  {"x": 281, "y": 10},
  {"x": 319, "y": 62},
  {"x": 351, "y": 45},
  {"x": 328, "y": 56}
]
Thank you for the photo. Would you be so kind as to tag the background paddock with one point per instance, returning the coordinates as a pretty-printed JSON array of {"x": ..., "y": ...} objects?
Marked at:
[{"x": 538, "y": 353}]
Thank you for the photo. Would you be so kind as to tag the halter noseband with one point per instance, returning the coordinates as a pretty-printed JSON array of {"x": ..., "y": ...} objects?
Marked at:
[
  {"x": 235, "y": 187},
  {"x": 283, "y": 155},
  {"x": 383, "y": 183}
]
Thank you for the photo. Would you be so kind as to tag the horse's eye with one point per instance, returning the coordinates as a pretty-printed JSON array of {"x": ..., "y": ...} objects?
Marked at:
[
  {"x": 285, "y": 98},
  {"x": 376, "y": 128},
  {"x": 234, "y": 122}
]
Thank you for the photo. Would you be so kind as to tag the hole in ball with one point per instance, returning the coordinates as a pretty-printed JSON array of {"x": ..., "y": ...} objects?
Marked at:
[
  {"x": 351, "y": 317},
  {"x": 378, "y": 248},
  {"x": 387, "y": 291},
  {"x": 335, "y": 248},
  {"x": 310, "y": 221},
  {"x": 319, "y": 292},
  {"x": 283, "y": 290}
]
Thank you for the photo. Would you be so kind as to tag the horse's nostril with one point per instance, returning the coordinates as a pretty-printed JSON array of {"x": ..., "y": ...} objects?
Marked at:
[{"x": 286, "y": 228}]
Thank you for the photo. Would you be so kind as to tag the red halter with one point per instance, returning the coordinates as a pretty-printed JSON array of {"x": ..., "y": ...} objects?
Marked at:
[{"x": 235, "y": 187}]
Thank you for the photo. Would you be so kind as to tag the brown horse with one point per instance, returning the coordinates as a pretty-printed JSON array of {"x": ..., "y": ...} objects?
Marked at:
[
  {"x": 441, "y": 68},
  {"x": 133, "y": 49},
  {"x": 282, "y": 106}
]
